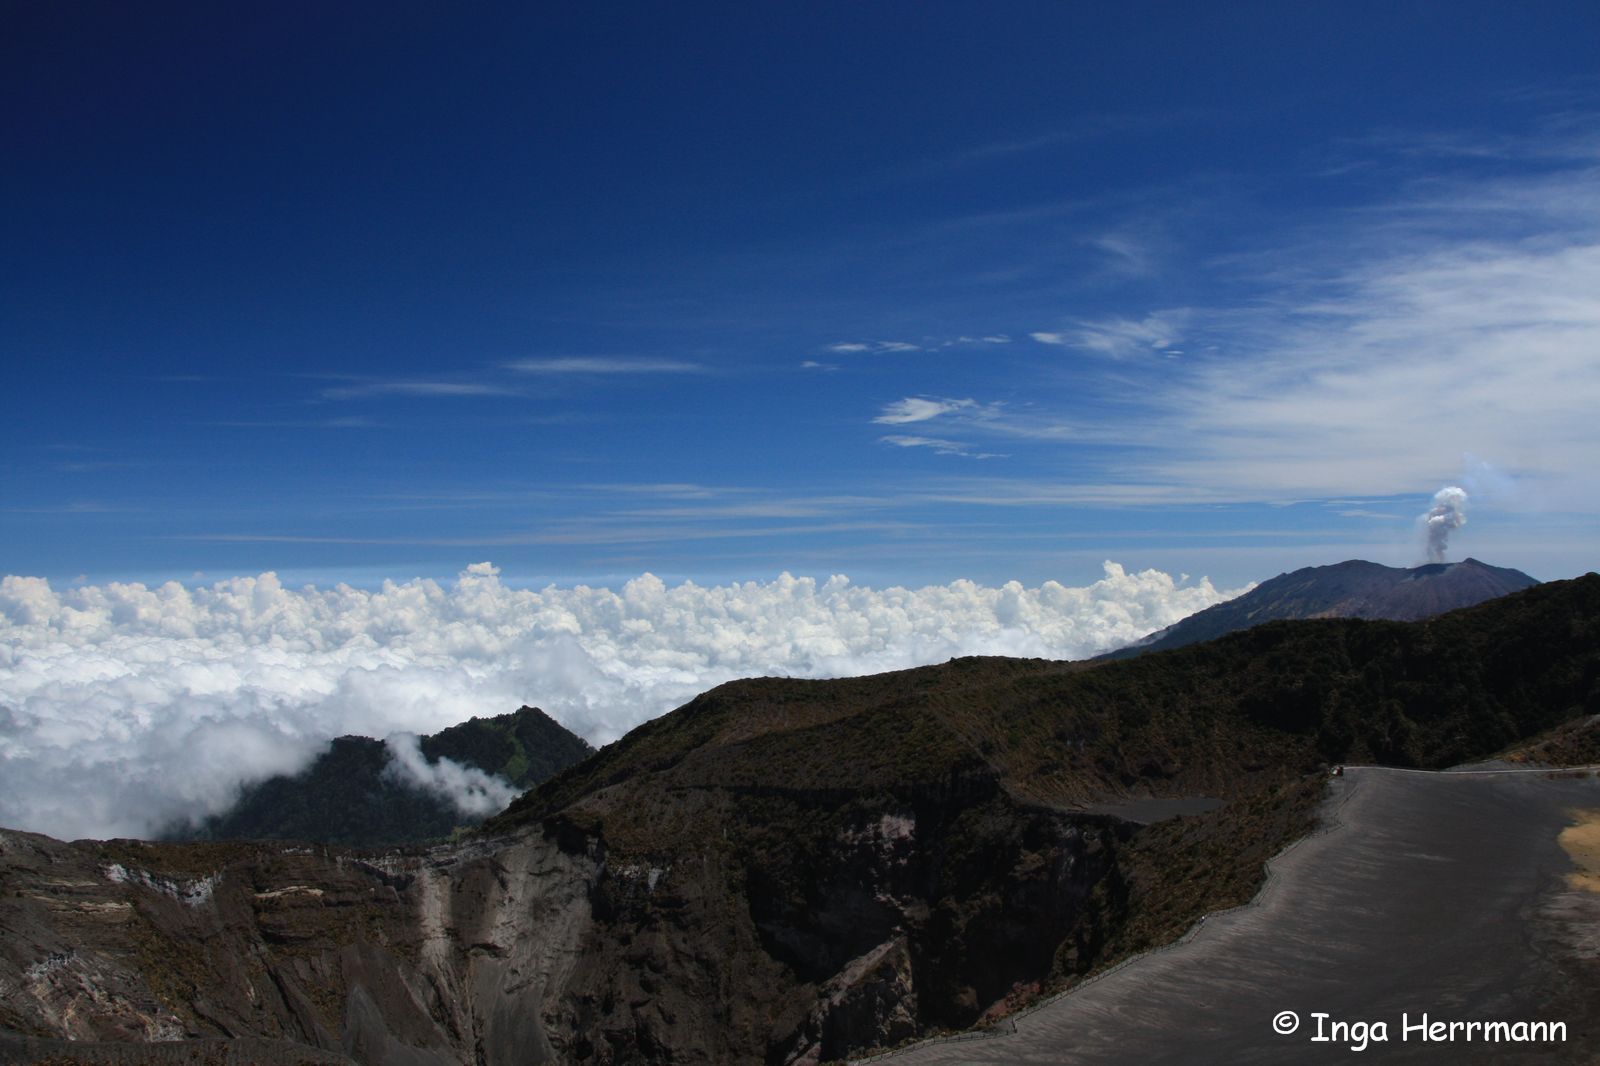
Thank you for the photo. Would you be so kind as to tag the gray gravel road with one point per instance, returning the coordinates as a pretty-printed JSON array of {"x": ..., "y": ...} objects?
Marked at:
[{"x": 1434, "y": 893}]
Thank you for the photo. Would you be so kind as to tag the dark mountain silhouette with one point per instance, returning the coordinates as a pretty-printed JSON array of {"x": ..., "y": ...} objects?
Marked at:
[
  {"x": 350, "y": 795},
  {"x": 785, "y": 871},
  {"x": 1353, "y": 589}
]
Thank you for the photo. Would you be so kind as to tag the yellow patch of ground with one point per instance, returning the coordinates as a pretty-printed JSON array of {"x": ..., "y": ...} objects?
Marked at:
[{"x": 1582, "y": 843}]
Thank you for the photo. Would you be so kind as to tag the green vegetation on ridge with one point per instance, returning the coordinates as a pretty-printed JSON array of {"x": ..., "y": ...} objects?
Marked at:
[
  {"x": 949, "y": 809},
  {"x": 351, "y": 796},
  {"x": 1190, "y": 720}
]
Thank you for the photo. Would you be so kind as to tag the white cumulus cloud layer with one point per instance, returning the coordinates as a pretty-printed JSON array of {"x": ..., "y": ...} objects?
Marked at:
[{"x": 125, "y": 707}]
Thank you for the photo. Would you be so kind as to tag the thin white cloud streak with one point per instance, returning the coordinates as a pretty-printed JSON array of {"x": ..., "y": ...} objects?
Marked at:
[
  {"x": 1370, "y": 355},
  {"x": 677, "y": 490},
  {"x": 1378, "y": 382},
  {"x": 858, "y": 347},
  {"x": 76, "y": 507},
  {"x": 1097, "y": 126},
  {"x": 125, "y": 707},
  {"x": 793, "y": 507},
  {"x": 984, "y": 419},
  {"x": 928, "y": 344},
  {"x": 586, "y": 532},
  {"x": 605, "y": 365},
  {"x": 945, "y": 447},
  {"x": 1127, "y": 255},
  {"x": 1017, "y": 492},
  {"x": 1123, "y": 338},
  {"x": 444, "y": 389},
  {"x": 938, "y": 444},
  {"x": 351, "y": 422},
  {"x": 919, "y": 409}
]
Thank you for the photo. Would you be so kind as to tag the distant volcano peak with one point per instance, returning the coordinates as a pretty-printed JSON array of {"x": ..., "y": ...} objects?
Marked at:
[{"x": 1354, "y": 588}]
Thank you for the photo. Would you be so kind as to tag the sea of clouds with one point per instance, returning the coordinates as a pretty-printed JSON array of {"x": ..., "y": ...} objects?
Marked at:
[{"x": 126, "y": 708}]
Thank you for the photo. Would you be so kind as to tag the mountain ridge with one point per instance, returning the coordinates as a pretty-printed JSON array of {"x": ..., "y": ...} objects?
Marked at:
[
  {"x": 1354, "y": 588},
  {"x": 352, "y": 794}
]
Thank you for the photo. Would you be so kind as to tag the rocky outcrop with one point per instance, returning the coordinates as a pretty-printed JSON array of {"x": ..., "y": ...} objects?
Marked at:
[
  {"x": 803, "y": 930},
  {"x": 543, "y": 945},
  {"x": 435, "y": 957}
]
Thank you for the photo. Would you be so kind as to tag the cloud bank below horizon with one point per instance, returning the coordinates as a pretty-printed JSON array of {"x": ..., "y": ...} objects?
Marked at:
[{"x": 124, "y": 707}]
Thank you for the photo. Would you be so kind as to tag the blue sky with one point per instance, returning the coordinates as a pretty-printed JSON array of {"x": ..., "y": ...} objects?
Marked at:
[{"x": 912, "y": 292}]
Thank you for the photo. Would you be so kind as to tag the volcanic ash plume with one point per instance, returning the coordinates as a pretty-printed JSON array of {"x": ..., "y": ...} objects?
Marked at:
[{"x": 1448, "y": 513}]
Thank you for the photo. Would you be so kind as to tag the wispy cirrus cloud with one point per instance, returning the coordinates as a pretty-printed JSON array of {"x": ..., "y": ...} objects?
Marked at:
[
  {"x": 927, "y": 344},
  {"x": 1382, "y": 388},
  {"x": 418, "y": 388},
  {"x": 964, "y": 340},
  {"x": 608, "y": 365},
  {"x": 1361, "y": 353},
  {"x": 1048, "y": 494},
  {"x": 1566, "y": 135},
  {"x": 1382, "y": 346},
  {"x": 1123, "y": 338},
  {"x": 920, "y": 409},
  {"x": 979, "y": 421},
  {"x": 350, "y": 422},
  {"x": 937, "y": 444},
  {"x": 993, "y": 419},
  {"x": 675, "y": 490},
  {"x": 769, "y": 508},
  {"x": 1075, "y": 133},
  {"x": 586, "y": 532},
  {"x": 76, "y": 507},
  {"x": 495, "y": 381},
  {"x": 1126, "y": 254},
  {"x": 862, "y": 347}
]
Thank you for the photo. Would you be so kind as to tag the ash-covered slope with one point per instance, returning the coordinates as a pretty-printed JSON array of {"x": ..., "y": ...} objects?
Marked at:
[
  {"x": 782, "y": 871},
  {"x": 352, "y": 794},
  {"x": 1352, "y": 589}
]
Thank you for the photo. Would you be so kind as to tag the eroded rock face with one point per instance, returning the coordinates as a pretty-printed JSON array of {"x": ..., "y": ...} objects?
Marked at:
[
  {"x": 806, "y": 929},
  {"x": 445, "y": 956},
  {"x": 536, "y": 947}
]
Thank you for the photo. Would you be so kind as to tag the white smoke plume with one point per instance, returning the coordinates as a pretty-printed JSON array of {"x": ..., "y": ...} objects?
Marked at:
[
  {"x": 471, "y": 790},
  {"x": 124, "y": 708},
  {"x": 1448, "y": 514}
]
